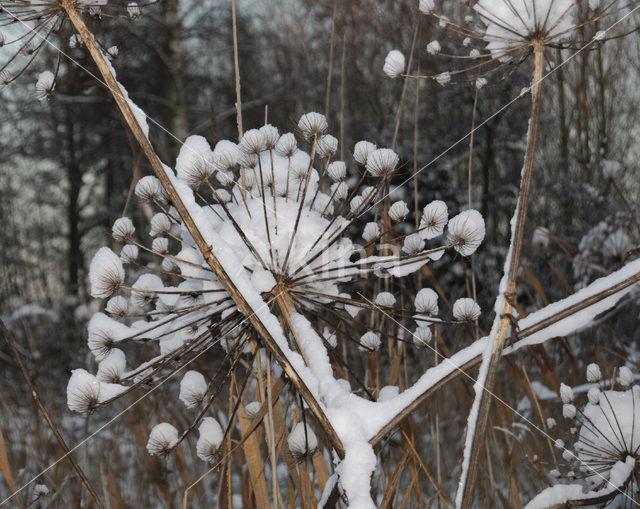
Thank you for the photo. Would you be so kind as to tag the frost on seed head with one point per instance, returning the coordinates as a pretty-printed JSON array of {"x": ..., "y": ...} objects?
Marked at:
[
  {"x": 593, "y": 373},
  {"x": 195, "y": 161},
  {"x": 398, "y": 211},
  {"x": 129, "y": 253},
  {"x": 566, "y": 393},
  {"x": 112, "y": 366},
  {"x": 122, "y": 229},
  {"x": 117, "y": 306},
  {"x": 193, "y": 389},
  {"x": 312, "y": 124},
  {"x": 435, "y": 217},
  {"x": 150, "y": 189},
  {"x": 369, "y": 342},
  {"x": 253, "y": 142},
  {"x": 104, "y": 333},
  {"x": 413, "y": 244},
  {"x": 133, "y": 10},
  {"x": 385, "y": 299},
  {"x": 466, "y": 310},
  {"x": 593, "y": 394},
  {"x": 162, "y": 439},
  {"x": 371, "y": 232},
  {"x": 443, "y": 78},
  {"x": 466, "y": 232},
  {"x": 106, "y": 273},
  {"x": 610, "y": 168},
  {"x": 362, "y": 150},
  {"x": 302, "y": 441},
  {"x": 337, "y": 171},
  {"x": 426, "y": 302},
  {"x": 625, "y": 376},
  {"x": 40, "y": 490},
  {"x": 510, "y": 25},
  {"x": 160, "y": 224},
  {"x": 540, "y": 238},
  {"x": 160, "y": 244},
  {"x": 382, "y": 162},
  {"x": 45, "y": 85},
  {"x": 271, "y": 136},
  {"x": 434, "y": 47},
  {"x": 225, "y": 155},
  {"x": 143, "y": 291},
  {"x": 427, "y": 6},
  {"x": 287, "y": 145},
  {"x": 394, "y": 64},
  {"x": 422, "y": 336},
  {"x": 327, "y": 145},
  {"x": 568, "y": 411},
  {"x": 83, "y": 391},
  {"x": 253, "y": 408},
  {"x": 210, "y": 439}
]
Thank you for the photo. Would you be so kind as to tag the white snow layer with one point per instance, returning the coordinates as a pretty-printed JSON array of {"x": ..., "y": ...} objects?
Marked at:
[
  {"x": 510, "y": 23},
  {"x": 562, "y": 493}
]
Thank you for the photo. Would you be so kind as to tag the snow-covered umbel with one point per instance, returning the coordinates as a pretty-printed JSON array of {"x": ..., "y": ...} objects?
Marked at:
[
  {"x": 606, "y": 443},
  {"x": 106, "y": 273},
  {"x": 193, "y": 389},
  {"x": 162, "y": 439},
  {"x": 302, "y": 441},
  {"x": 426, "y": 302},
  {"x": 211, "y": 436},
  {"x": 394, "y": 64},
  {"x": 287, "y": 218},
  {"x": 466, "y": 232},
  {"x": 45, "y": 85},
  {"x": 466, "y": 310},
  {"x": 510, "y": 24},
  {"x": 426, "y": 6}
]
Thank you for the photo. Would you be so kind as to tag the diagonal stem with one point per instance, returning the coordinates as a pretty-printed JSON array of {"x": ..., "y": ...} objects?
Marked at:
[
  {"x": 54, "y": 428},
  {"x": 212, "y": 261},
  {"x": 487, "y": 378}
]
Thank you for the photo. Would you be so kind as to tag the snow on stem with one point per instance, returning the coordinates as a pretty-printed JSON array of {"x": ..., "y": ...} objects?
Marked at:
[
  {"x": 252, "y": 311},
  {"x": 485, "y": 383},
  {"x": 559, "y": 319}
]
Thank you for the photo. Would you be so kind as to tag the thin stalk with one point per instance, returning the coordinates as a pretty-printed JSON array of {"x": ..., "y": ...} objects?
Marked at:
[
  {"x": 212, "y": 261},
  {"x": 327, "y": 100},
  {"x": 54, "y": 428},
  {"x": 236, "y": 66},
  {"x": 404, "y": 87},
  {"x": 626, "y": 204},
  {"x": 482, "y": 403}
]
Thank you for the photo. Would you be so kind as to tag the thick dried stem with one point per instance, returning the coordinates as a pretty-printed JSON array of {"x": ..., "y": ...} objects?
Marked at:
[
  {"x": 476, "y": 430},
  {"x": 269, "y": 341}
]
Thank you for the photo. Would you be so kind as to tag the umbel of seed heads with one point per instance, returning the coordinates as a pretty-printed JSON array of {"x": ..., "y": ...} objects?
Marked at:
[
  {"x": 252, "y": 193},
  {"x": 500, "y": 32}
]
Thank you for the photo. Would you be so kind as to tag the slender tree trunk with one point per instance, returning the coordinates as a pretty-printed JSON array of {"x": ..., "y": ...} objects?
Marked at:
[{"x": 74, "y": 177}]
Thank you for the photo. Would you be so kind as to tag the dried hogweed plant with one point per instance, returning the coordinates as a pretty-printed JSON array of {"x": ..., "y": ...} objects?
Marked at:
[
  {"x": 289, "y": 231},
  {"x": 264, "y": 250},
  {"x": 601, "y": 449},
  {"x": 501, "y": 35}
]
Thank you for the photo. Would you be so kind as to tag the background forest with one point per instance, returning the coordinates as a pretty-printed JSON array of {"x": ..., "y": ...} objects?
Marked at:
[{"x": 68, "y": 169}]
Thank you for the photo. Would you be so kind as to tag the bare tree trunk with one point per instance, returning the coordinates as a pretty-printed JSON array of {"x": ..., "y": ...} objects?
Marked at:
[{"x": 74, "y": 177}]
